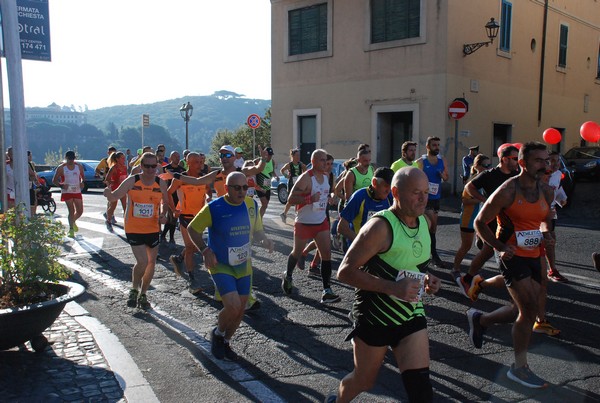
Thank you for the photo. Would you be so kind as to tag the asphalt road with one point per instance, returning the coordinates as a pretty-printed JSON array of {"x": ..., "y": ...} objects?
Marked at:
[{"x": 293, "y": 348}]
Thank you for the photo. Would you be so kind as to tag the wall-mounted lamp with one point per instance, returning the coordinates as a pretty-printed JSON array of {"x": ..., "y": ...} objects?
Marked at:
[{"x": 491, "y": 28}]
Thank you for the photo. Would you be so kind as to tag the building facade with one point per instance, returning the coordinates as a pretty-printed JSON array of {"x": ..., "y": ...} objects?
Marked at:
[{"x": 385, "y": 71}]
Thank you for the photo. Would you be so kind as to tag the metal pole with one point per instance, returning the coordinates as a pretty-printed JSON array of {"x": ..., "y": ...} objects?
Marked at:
[
  {"x": 253, "y": 143},
  {"x": 142, "y": 135},
  {"x": 456, "y": 159},
  {"x": 10, "y": 25},
  {"x": 187, "y": 120},
  {"x": 3, "y": 199}
]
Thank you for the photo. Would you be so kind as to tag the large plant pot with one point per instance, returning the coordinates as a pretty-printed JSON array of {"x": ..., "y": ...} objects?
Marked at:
[{"x": 18, "y": 325}]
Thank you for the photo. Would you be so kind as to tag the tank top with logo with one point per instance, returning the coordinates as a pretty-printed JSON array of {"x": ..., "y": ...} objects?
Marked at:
[
  {"x": 314, "y": 213},
  {"x": 143, "y": 204}
]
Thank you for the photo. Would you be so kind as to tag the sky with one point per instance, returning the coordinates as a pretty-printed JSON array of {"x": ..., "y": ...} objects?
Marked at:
[{"x": 120, "y": 52}]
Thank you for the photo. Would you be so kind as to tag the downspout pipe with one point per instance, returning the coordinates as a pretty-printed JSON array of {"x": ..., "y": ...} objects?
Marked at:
[{"x": 542, "y": 63}]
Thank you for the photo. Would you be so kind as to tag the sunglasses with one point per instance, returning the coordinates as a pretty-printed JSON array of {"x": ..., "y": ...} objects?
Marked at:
[
  {"x": 225, "y": 155},
  {"x": 153, "y": 166},
  {"x": 237, "y": 188}
]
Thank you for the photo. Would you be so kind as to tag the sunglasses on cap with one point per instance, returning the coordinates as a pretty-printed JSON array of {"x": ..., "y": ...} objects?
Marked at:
[
  {"x": 150, "y": 166},
  {"x": 237, "y": 188},
  {"x": 225, "y": 155}
]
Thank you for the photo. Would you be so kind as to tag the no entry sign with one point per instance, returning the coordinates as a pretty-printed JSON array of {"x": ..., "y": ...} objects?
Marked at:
[{"x": 457, "y": 109}]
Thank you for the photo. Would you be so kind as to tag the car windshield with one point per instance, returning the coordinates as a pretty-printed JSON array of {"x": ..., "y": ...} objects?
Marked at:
[{"x": 583, "y": 153}]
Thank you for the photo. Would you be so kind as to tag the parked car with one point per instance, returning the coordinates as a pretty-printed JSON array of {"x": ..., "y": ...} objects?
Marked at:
[
  {"x": 585, "y": 161},
  {"x": 279, "y": 187},
  {"x": 567, "y": 180},
  {"x": 90, "y": 179}
]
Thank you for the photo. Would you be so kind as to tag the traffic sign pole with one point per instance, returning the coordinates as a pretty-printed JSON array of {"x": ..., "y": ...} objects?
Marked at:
[
  {"x": 254, "y": 122},
  {"x": 457, "y": 110}
]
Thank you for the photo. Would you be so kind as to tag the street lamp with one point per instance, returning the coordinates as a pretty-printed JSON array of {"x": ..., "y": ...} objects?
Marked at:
[
  {"x": 186, "y": 111},
  {"x": 491, "y": 29}
]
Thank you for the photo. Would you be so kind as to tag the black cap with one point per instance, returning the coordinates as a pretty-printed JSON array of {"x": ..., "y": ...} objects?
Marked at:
[
  {"x": 70, "y": 155},
  {"x": 270, "y": 151},
  {"x": 474, "y": 148},
  {"x": 384, "y": 173}
]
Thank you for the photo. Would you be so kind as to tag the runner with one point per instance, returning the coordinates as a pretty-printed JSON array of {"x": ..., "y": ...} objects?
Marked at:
[
  {"x": 116, "y": 174},
  {"x": 311, "y": 193},
  {"x": 488, "y": 181},
  {"x": 291, "y": 171},
  {"x": 437, "y": 171},
  {"x": 69, "y": 178},
  {"x": 102, "y": 167},
  {"x": 560, "y": 199},
  {"x": 191, "y": 199},
  {"x": 366, "y": 202},
  {"x": 232, "y": 223},
  {"x": 386, "y": 264},
  {"x": 168, "y": 170},
  {"x": 147, "y": 201},
  {"x": 522, "y": 205},
  {"x": 360, "y": 176},
  {"x": 263, "y": 181},
  {"x": 409, "y": 153}
]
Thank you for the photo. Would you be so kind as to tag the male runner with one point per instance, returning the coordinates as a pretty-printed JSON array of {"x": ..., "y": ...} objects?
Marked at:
[
  {"x": 360, "y": 176},
  {"x": 436, "y": 171},
  {"x": 522, "y": 205},
  {"x": 311, "y": 193},
  {"x": 69, "y": 178},
  {"x": 387, "y": 265},
  {"x": 263, "y": 181},
  {"x": 232, "y": 221},
  {"x": 409, "y": 153}
]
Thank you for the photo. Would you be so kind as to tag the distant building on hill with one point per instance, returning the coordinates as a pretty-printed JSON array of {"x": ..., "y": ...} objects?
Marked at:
[{"x": 53, "y": 113}]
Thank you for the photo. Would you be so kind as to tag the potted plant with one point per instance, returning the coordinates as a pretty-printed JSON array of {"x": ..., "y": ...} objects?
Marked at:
[{"x": 32, "y": 294}]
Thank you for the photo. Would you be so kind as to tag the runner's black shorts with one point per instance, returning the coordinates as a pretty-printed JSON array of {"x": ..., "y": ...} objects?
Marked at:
[
  {"x": 433, "y": 205},
  {"x": 150, "y": 240},
  {"x": 379, "y": 336},
  {"x": 518, "y": 267},
  {"x": 264, "y": 193}
]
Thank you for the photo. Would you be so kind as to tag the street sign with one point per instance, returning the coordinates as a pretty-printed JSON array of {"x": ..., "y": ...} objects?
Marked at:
[
  {"x": 457, "y": 109},
  {"x": 145, "y": 120},
  {"x": 253, "y": 121}
]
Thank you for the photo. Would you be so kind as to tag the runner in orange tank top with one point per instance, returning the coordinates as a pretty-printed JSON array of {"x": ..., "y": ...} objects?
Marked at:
[
  {"x": 147, "y": 202},
  {"x": 522, "y": 207},
  {"x": 116, "y": 174}
]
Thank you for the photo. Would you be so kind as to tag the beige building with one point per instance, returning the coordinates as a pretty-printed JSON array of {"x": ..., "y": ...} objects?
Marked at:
[{"x": 346, "y": 72}]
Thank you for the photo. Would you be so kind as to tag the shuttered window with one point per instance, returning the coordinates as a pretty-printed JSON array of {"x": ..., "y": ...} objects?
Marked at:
[
  {"x": 308, "y": 29},
  {"x": 393, "y": 20},
  {"x": 562, "y": 50},
  {"x": 505, "y": 26}
]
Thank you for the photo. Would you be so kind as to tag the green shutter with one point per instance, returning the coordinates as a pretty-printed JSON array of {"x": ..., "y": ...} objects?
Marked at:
[
  {"x": 308, "y": 29},
  {"x": 393, "y": 20}
]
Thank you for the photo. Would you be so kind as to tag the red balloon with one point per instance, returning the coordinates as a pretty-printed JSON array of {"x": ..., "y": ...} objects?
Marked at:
[
  {"x": 502, "y": 147},
  {"x": 552, "y": 136},
  {"x": 590, "y": 131},
  {"x": 518, "y": 145}
]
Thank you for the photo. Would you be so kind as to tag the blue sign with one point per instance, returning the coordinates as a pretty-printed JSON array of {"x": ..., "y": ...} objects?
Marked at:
[{"x": 34, "y": 29}]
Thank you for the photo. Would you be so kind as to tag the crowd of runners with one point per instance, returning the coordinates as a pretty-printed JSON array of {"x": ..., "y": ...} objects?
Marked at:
[{"x": 386, "y": 230}]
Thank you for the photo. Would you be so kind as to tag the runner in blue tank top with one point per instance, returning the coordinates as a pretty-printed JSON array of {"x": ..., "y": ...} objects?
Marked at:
[{"x": 436, "y": 172}]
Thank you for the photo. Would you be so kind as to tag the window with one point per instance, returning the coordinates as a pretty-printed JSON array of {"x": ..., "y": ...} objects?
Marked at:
[
  {"x": 562, "y": 50},
  {"x": 598, "y": 67},
  {"x": 308, "y": 29},
  {"x": 505, "y": 26},
  {"x": 393, "y": 20}
]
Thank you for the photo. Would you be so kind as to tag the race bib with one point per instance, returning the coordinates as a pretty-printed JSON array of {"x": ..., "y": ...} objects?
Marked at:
[
  {"x": 530, "y": 239},
  {"x": 238, "y": 254},
  {"x": 143, "y": 210},
  {"x": 251, "y": 192},
  {"x": 321, "y": 204},
  {"x": 434, "y": 188},
  {"x": 73, "y": 189},
  {"x": 402, "y": 274}
]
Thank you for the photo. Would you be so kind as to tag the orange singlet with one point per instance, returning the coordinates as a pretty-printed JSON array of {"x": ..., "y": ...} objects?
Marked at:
[
  {"x": 143, "y": 203},
  {"x": 191, "y": 199},
  {"x": 523, "y": 219}
]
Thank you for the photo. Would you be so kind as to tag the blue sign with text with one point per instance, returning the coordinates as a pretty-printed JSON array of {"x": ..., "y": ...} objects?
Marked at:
[{"x": 34, "y": 29}]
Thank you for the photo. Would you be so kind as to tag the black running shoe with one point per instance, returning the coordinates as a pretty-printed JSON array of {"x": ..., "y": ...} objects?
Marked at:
[
  {"x": 133, "y": 297},
  {"x": 476, "y": 331},
  {"x": 230, "y": 355},
  {"x": 143, "y": 302},
  {"x": 217, "y": 345}
]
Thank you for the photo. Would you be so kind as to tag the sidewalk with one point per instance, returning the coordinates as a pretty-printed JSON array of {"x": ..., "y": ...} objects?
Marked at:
[{"x": 85, "y": 362}]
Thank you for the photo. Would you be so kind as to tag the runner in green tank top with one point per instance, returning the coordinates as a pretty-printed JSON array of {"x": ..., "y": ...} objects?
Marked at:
[{"x": 386, "y": 263}]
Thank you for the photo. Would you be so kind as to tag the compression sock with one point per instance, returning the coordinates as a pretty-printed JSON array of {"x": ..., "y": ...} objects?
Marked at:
[
  {"x": 291, "y": 263},
  {"x": 326, "y": 273}
]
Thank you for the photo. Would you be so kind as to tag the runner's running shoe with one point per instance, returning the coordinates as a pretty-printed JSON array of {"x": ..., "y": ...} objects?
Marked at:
[
  {"x": 217, "y": 345},
  {"x": 328, "y": 297},
  {"x": 283, "y": 217},
  {"x": 109, "y": 226},
  {"x": 230, "y": 355},
  {"x": 475, "y": 289},
  {"x": 546, "y": 328},
  {"x": 176, "y": 261},
  {"x": 476, "y": 331},
  {"x": 463, "y": 286},
  {"x": 143, "y": 302},
  {"x": 133, "y": 297},
  {"x": 286, "y": 284},
  {"x": 555, "y": 276},
  {"x": 525, "y": 377},
  {"x": 596, "y": 260}
]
